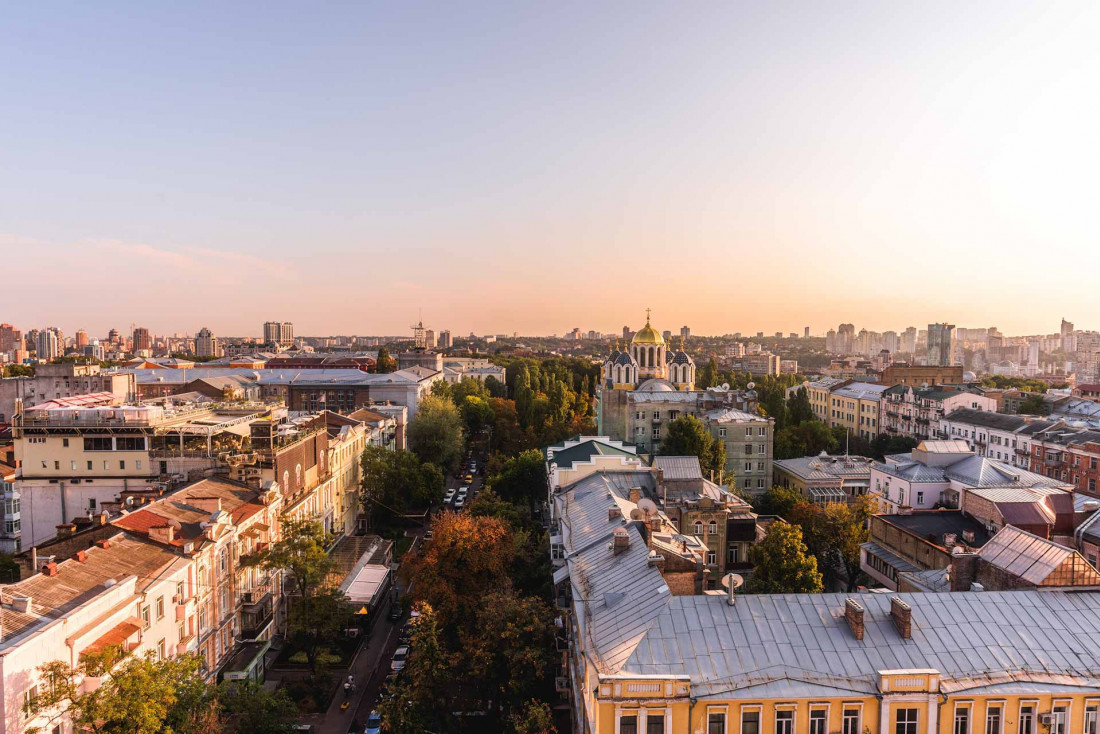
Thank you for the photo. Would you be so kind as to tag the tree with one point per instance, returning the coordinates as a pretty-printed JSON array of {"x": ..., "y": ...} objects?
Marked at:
[
  {"x": 396, "y": 482},
  {"x": 476, "y": 413},
  {"x": 522, "y": 479},
  {"x": 799, "y": 409},
  {"x": 778, "y": 501},
  {"x": 421, "y": 699},
  {"x": 1034, "y": 405},
  {"x": 535, "y": 717},
  {"x": 385, "y": 363},
  {"x": 468, "y": 387},
  {"x": 141, "y": 695},
  {"x": 806, "y": 439},
  {"x": 496, "y": 388},
  {"x": 781, "y": 564},
  {"x": 708, "y": 376},
  {"x": 489, "y": 504},
  {"x": 468, "y": 558},
  {"x": 436, "y": 435},
  {"x": 247, "y": 708},
  {"x": 508, "y": 436},
  {"x": 687, "y": 436},
  {"x": 317, "y": 611},
  {"x": 844, "y": 527}
]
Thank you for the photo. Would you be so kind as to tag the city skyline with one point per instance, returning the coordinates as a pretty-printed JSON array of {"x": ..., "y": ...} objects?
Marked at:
[{"x": 794, "y": 155}]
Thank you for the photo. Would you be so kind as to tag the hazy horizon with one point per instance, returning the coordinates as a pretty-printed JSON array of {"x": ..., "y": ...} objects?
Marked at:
[{"x": 504, "y": 168}]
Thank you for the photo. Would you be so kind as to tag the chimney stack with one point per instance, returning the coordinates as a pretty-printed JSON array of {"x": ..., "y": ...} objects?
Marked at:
[
  {"x": 21, "y": 604},
  {"x": 902, "y": 614},
  {"x": 80, "y": 556},
  {"x": 964, "y": 570},
  {"x": 635, "y": 494},
  {"x": 853, "y": 615},
  {"x": 65, "y": 530},
  {"x": 614, "y": 513},
  {"x": 620, "y": 540},
  {"x": 50, "y": 569},
  {"x": 103, "y": 543}
]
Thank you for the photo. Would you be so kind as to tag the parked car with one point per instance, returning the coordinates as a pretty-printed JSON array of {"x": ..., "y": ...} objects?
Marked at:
[
  {"x": 468, "y": 478},
  {"x": 460, "y": 502},
  {"x": 400, "y": 655},
  {"x": 374, "y": 723},
  {"x": 450, "y": 495},
  {"x": 428, "y": 534}
]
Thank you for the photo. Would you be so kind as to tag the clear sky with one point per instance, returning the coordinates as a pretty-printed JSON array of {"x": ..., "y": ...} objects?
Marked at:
[{"x": 537, "y": 166}]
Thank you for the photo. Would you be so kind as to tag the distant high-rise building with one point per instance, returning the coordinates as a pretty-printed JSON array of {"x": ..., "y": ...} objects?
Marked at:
[
  {"x": 1067, "y": 337},
  {"x": 806, "y": 332},
  {"x": 941, "y": 347},
  {"x": 831, "y": 341},
  {"x": 627, "y": 334},
  {"x": 11, "y": 338},
  {"x": 81, "y": 339},
  {"x": 846, "y": 338},
  {"x": 206, "y": 344},
  {"x": 47, "y": 346},
  {"x": 113, "y": 337},
  {"x": 685, "y": 332},
  {"x": 142, "y": 339},
  {"x": 667, "y": 334},
  {"x": 909, "y": 340},
  {"x": 280, "y": 333},
  {"x": 429, "y": 338},
  {"x": 94, "y": 350},
  {"x": 445, "y": 341},
  {"x": 890, "y": 341}
]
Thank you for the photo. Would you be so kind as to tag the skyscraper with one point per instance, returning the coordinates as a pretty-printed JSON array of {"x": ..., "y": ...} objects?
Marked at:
[
  {"x": 278, "y": 332},
  {"x": 206, "y": 344},
  {"x": 806, "y": 333},
  {"x": 11, "y": 338},
  {"x": 445, "y": 341},
  {"x": 685, "y": 332},
  {"x": 941, "y": 345},
  {"x": 81, "y": 339},
  {"x": 143, "y": 340},
  {"x": 47, "y": 346},
  {"x": 1067, "y": 337}
]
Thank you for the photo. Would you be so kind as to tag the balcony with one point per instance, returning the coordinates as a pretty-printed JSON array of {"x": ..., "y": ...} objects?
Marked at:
[
  {"x": 253, "y": 626},
  {"x": 253, "y": 601}
]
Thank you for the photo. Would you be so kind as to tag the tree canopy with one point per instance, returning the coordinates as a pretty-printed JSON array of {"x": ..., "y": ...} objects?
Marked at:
[
  {"x": 397, "y": 482},
  {"x": 782, "y": 564},
  {"x": 687, "y": 436},
  {"x": 437, "y": 433}
]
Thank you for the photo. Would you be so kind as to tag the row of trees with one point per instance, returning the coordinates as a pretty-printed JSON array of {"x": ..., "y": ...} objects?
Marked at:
[
  {"x": 804, "y": 435},
  {"x": 144, "y": 695}
]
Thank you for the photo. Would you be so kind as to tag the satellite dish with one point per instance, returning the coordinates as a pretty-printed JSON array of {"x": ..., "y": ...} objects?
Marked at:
[
  {"x": 648, "y": 506},
  {"x": 637, "y": 514},
  {"x": 725, "y": 386},
  {"x": 751, "y": 386},
  {"x": 732, "y": 581}
]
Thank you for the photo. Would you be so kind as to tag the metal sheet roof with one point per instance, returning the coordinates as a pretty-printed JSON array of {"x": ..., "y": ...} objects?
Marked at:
[{"x": 679, "y": 467}]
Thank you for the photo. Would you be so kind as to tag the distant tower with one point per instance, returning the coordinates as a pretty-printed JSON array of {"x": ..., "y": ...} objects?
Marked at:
[
  {"x": 206, "y": 344},
  {"x": 941, "y": 351},
  {"x": 420, "y": 340}
]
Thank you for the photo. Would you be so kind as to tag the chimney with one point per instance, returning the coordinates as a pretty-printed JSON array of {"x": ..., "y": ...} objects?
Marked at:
[
  {"x": 635, "y": 494},
  {"x": 80, "y": 556},
  {"x": 21, "y": 604},
  {"x": 657, "y": 561},
  {"x": 964, "y": 570},
  {"x": 100, "y": 519},
  {"x": 853, "y": 615},
  {"x": 50, "y": 569},
  {"x": 903, "y": 617},
  {"x": 654, "y": 524},
  {"x": 103, "y": 543},
  {"x": 620, "y": 540},
  {"x": 163, "y": 534},
  {"x": 66, "y": 530},
  {"x": 614, "y": 513}
]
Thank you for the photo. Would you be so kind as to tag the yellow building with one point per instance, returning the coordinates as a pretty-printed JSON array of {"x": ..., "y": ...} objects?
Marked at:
[
  {"x": 647, "y": 659},
  {"x": 855, "y": 407}
]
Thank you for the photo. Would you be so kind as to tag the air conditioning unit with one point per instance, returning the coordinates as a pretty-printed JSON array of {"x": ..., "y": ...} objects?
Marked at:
[
  {"x": 561, "y": 684},
  {"x": 1045, "y": 720}
]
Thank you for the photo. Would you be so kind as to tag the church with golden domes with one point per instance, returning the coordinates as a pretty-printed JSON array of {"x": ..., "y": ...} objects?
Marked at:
[{"x": 647, "y": 359}]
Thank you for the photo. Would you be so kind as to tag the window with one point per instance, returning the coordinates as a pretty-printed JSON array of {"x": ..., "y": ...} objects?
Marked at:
[
  {"x": 721, "y": 433},
  {"x": 761, "y": 448},
  {"x": 122, "y": 465},
  {"x": 655, "y": 722},
  {"x": 993, "y": 721},
  {"x": 97, "y": 443},
  {"x": 733, "y": 554},
  {"x": 30, "y": 696},
  {"x": 1027, "y": 720},
  {"x": 130, "y": 443},
  {"x": 1058, "y": 720},
  {"x": 181, "y": 632},
  {"x": 920, "y": 498},
  {"x": 698, "y": 527},
  {"x": 712, "y": 527},
  {"x": 160, "y": 649},
  {"x": 65, "y": 442},
  {"x": 145, "y": 617},
  {"x": 628, "y": 724},
  {"x": 160, "y": 608},
  {"x": 907, "y": 721},
  {"x": 784, "y": 722},
  {"x": 852, "y": 721},
  {"x": 89, "y": 466},
  {"x": 817, "y": 721},
  {"x": 962, "y": 721},
  {"x": 1090, "y": 720},
  {"x": 716, "y": 723},
  {"x": 57, "y": 466},
  {"x": 750, "y": 722},
  {"x": 712, "y": 558}
]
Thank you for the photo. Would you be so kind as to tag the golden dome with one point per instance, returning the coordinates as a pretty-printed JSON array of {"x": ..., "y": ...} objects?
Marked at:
[{"x": 648, "y": 335}]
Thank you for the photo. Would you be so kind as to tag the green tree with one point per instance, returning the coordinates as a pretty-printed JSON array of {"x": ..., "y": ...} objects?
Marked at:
[
  {"x": 248, "y": 708},
  {"x": 799, "y": 409},
  {"x": 535, "y": 717},
  {"x": 422, "y": 695},
  {"x": 687, "y": 436},
  {"x": 1034, "y": 405},
  {"x": 385, "y": 363},
  {"x": 489, "y": 504},
  {"x": 781, "y": 564},
  {"x": 522, "y": 479},
  {"x": 317, "y": 611},
  {"x": 708, "y": 376},
  {"x": 468, "y": 387},
  {"x": 142, "y": 695},
  {"x": 496, "y": 388},
  {"x": 436, "y": 434},
  {"x": 806, "y": 439},
  {"x": 778, "y": 501},
  {"x": 476, "y": 413},
  {"x": 845, "y": 529},
  {"x": 396, "y": 482}
]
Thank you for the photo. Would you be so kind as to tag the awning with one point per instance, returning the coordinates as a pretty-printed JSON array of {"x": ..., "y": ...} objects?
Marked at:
[
  {"x": 561, "y": 574},
  {"x": 117, "y": 636}
]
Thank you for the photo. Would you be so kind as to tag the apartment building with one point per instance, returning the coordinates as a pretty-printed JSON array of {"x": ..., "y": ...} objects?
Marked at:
[
  {"x": 855, "y": 407},
  {"x": 214, "y": 524},
  {"x": 650, "y": 652},
  {"x": 916, "y": 411},
  {"x": 1069, "y": 454},
  {"x": 993, "y": 435},
  {"x": 121, "y": 593},
  {"x": 749, "y": 441},
  {"x": 825, "y": 479},
  {"x": 820, "y": 394},
  {"x": 917, "y": 542},
  {"x": 57, "y": 381}
]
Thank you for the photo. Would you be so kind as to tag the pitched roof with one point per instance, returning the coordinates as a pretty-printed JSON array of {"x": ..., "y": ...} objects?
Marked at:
[
  {"x": 1034, "y": 559},
  {"x": 180, "y": 508},
  {"x": 565, "y": 458},
  {"x": 825, "y": 468},
  {"x": 988, "y": 419},
  {"x": 679, "y": 467}
]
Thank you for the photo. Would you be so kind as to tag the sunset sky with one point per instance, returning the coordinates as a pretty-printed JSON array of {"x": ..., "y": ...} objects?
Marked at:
[{"x": 533, "y": 167}]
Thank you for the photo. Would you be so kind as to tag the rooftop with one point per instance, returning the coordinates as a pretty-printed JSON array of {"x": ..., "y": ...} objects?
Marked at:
[
  {"x": 679, "y": 468},
  {"x": 926, "y": 523},
  {"x": 825, "y": 467},
  {"x": 1035, "y": 560},
  {"x": 988, "y": 419},
  {"x": 193, "y": 507}
]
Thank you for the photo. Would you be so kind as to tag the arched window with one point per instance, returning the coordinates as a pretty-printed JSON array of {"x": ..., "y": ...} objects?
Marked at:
[
  {"x": 698, "y": 527},
  {"x": 712, "y": 528}
]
